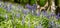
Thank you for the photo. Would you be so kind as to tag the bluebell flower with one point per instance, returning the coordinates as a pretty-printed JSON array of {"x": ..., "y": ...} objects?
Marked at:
[
  {"x": 38, "y": 14},
  {"x": 58, "y": 16},
  {"x": 44, "y": 13},
  {"x": 25, "y": 11},
  {"x": 29, "y": 7},
  {"x": 48, "y": 16},
  {"x": 18, "y": 15},
  {"x": 52, "y": 14},
  {"x": 34, "y": 7},
  {"x": 8, "y": 9},
  {"x": 10, "y": 6}
]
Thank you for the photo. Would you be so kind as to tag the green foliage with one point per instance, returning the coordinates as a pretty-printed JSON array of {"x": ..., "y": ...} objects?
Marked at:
[
  {"x": 25, "y": 1},
  {"x": 45, "y": 23},
  {"x": 32, "y": 2},
  {"x": 34, "y": 20},
  {"x": 42, "y": 2},
  {"x": 2, "y": 18},
  {"x": 2, "y": 12}
]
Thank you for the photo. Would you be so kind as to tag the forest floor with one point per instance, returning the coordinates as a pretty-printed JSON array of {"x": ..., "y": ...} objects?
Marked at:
[{"x": 34, "y": 19}]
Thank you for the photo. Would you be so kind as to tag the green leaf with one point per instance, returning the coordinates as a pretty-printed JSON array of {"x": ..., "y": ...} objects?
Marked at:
[
  {"x": 32, "y": 2},
  {"x": 42, "y": 2}
]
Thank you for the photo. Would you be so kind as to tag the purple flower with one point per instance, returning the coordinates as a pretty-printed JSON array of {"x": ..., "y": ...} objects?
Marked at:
[
  {"x": 58, "y": 16},
  {"x": 8, "y": 9},
  {"x": 10, "y": 6},
  {"x": 48, "y": 16},
  {"x": 44, "y": 13},
  {"x": 38, "y": 14},
  {"x": 18, "y": 15},
  {"x": 52, "y": 14},
  {"x": 25, "y": 11},
  {"x": 34, "y": 7},
  {"x": 28, "y": 6}
]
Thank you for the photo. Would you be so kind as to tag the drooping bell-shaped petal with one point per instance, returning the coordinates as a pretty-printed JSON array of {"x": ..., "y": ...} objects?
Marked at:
[
  {"x": 48, "y": 16},
  {"x": 8, "y": 9},
  {"x": 58, "y": 16},
  {"x": 38, "y": 13},
  {"x": 44, "y": 13},
  {"x": 18, "y": 15},
  {"x": 52, "y": 14},
  {"x": 28, "y": 6},
  {"x": 34, "y": 7},
  {"x": 10, "y": 6},
  {"x": 25, "y": 11}
]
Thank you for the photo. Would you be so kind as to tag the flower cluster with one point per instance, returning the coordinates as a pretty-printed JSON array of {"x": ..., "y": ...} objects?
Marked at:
[{"x": 25, "y": 18}]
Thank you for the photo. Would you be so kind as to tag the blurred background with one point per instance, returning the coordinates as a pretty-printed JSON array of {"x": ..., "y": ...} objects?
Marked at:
[{"x": 29, "y": 13}]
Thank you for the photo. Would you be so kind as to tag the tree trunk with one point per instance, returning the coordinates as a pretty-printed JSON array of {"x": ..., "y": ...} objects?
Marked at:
[{"x": 52, "y": 5}]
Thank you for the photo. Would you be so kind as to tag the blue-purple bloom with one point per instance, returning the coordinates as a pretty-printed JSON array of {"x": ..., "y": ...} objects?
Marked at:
[
  {"x": 38, "y": 14},
  {"x": 25, "y": 11},
  {"x": 28, "y": 6},
  {"x": 44, "y": 13},
  {"x": 18, "y": 15},
  {"x": 52, "y": 14},
  {"x": 34, "y": 7},
  {"x": 10, "y": 6},
  {"x": 8, "y": 9},
  {"x": 48, "y": 16},
  {"x": 58, "y": 16}
]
